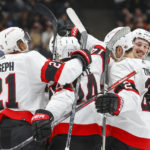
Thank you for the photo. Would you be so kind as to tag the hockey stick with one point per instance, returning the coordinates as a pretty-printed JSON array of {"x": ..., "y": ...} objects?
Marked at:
[
  {"x": 89, "y": 101},
  {"x": 105, "y": 81},
  {"x": 76, "y": 21},
  {"x": 81, "y": 106},
  {"x": 109, "y": 47},
  {"x": 46, "y": 12}
]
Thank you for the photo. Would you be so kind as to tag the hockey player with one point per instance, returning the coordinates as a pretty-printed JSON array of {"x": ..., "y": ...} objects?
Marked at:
[
  {"x": 86, "y": 133},
  {"x": 141, "y": 47},
  {"x": 130, "y": 129},
  {"x": 86, "y": 127},
  {"x": 23, "y": 77}
]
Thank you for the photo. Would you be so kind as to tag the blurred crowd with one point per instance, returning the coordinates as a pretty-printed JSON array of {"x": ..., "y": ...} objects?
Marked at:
[
  {"x": 133, "y": 13},
  {"x": 21, "y": 13}
]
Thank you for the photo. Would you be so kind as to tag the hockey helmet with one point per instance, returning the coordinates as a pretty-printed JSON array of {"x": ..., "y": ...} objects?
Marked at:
[
  {"x": 142, "y": 34},
  {"x": 9, "y": 38},
  {"x": 120, "y": 36},
  {"x": 111, "y": 34},
  {"x": 64, "y": 46}
]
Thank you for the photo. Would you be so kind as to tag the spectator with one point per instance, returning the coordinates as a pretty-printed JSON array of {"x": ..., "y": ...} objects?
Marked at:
[
  {"x": 23, "y": 21},
  {"x": 139, "y": 23},
  {"x": 62, "y": 21},
  {"x": 35, "y": 35},
  {"x": 46, "y": 35},
  {"x": 138, "y": 13}
]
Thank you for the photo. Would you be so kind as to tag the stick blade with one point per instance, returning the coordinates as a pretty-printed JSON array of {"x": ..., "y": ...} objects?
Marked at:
[
  {"x": 117, "y": 36},
  {"x": 74, "y": 18}
]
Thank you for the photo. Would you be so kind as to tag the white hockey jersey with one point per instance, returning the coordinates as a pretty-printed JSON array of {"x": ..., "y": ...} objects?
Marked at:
[
  {"x": 23, "y": 78},
  {"x": 132, "y": 126},
  {"x": 86, "y": 120}
]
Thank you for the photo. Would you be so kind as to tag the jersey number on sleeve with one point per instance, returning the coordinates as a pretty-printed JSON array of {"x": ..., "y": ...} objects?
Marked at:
[
  {"x": 10, "y": 82},
  {"x": 146, "y": 98}
]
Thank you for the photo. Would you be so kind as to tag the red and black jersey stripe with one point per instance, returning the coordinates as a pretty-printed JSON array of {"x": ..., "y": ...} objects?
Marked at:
[
  {"x": 128, "y": 85},
  {"x": 100, "y": 50},
  {"x": 51, "y": 71}
]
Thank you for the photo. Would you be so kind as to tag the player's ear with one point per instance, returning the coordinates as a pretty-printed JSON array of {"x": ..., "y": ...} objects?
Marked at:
[
  {"x": 21, "y": 45},
  {"x": 119, "y": 51}
]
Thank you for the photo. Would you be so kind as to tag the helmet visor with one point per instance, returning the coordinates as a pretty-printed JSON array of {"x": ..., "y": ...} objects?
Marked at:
[{"x": 27, "y": 37}]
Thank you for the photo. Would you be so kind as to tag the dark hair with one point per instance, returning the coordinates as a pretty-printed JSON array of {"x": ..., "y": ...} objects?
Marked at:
[
  {"x": 141, "y": 39},
  {"x": 19, "y": 41},
  {"x": 128, "y": 51}
]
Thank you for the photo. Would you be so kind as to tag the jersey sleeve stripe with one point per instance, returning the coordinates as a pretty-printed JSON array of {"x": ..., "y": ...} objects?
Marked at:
[
  {"x": 58, "y": 73},
  {"x": 100, "y": 50},
  {"x": 129, "y": 139},
  {"x": 100, "y": 47},
  {"x": 69, "y": 89},
  {"x": 16, "y": 115},
  {"x": 123, "y": 86},
  {"x": 43, "y": 71},
  {"x": 78, "y": 129}
]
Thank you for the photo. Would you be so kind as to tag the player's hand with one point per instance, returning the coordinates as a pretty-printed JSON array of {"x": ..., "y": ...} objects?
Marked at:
[
  {"x": 84, "y": 55},
  {"x": 75, "y": 33},
  {"x": 109, "y": 103},
  {"x": 41, "y": 124}
]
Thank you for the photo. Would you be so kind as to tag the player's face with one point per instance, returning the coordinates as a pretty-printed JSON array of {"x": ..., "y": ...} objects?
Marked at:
[{"x": 140, "y": 48}]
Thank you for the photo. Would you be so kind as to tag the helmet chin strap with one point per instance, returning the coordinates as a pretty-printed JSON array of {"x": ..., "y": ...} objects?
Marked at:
[{"x": 116, "y": 58}]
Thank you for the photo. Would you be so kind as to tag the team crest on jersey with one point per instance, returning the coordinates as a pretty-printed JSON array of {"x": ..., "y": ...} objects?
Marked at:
[{"x": 146, "y": 71}]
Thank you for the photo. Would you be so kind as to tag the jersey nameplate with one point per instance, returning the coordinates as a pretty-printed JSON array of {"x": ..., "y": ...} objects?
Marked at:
[{"x": 7, "y": 66}]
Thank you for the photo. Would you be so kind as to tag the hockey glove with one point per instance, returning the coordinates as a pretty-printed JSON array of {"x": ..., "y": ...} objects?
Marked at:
[
  {"x": 41, "y": 124},
  {"x": 75, "y": 33},
  {"x": 109, "y": 103},
  {"x": 84, "y": 55}
]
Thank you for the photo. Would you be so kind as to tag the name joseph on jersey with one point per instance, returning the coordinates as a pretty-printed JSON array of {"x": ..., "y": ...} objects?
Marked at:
[{"x": 7, "y": 66}]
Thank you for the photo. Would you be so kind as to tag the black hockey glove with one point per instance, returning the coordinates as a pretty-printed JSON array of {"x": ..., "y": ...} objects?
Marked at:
[
  {"x": 75, "y": 33},
  {"x": 84, "y": 55},
  {"x": 109, "y": 103},
  {"x": 41, "y": 124}
]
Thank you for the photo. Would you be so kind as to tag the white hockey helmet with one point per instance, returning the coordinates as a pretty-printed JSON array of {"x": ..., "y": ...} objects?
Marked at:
[
  {"x": 142, "y": 34},
  {"x": 120, "y": 36},
  {"x": 9, "y": 38},
  {"x": 111, "y": 34},
  {"x": 64, "y": 46},
  {"x": 126, "y": 42}
]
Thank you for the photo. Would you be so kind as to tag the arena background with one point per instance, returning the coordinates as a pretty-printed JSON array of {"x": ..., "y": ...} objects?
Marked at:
[{"x": 99, "y": 17}]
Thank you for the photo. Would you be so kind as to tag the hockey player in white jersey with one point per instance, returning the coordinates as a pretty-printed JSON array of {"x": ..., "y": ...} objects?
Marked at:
[
  {"x": 23, "y": 77},
  {"x": 86, "y": 133},
  {"x": 130, "y": 130}
]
